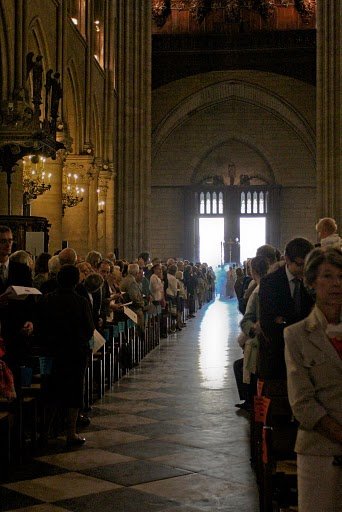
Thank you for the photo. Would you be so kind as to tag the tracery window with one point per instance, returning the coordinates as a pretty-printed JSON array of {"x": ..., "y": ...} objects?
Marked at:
[
  {"x": 77, "y": 13},
  {"x": 202, "y": 206},
  {"x": 210, "y": 203},
  {"x": 99, "y": 31},
  {"x": 253, "y": 202}
]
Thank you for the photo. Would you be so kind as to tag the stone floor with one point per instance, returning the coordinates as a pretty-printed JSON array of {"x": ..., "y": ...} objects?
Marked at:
[{"x": 166, "y": 438}]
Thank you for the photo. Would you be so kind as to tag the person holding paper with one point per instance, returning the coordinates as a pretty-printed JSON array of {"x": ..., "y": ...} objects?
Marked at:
[{"x": 15, "y": 316}]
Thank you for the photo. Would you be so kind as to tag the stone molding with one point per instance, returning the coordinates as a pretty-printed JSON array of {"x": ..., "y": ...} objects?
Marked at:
[{"x": 235, "y": 91}]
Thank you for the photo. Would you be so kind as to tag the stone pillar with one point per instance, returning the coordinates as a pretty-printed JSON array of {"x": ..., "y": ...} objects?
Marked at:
[
  {"x": 329, "y": 111},
  {"x": 134, "y": 126}
]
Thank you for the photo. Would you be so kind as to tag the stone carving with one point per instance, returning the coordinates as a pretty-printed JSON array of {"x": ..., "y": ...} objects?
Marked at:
[
  {"x": 199, "y": 9},
  {"x": 306, "y": 8},
  {"x": 36, "y": 67},
  {"x": 161, "y": 9},
  {"x": 263, "y": 7}
]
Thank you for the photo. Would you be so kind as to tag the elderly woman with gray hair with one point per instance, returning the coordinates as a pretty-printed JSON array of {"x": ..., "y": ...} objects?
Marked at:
[{"x": 313, "y": 354}]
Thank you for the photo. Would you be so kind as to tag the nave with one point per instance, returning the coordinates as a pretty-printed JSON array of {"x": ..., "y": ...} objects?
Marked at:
[{"x": 167, "y": 437}]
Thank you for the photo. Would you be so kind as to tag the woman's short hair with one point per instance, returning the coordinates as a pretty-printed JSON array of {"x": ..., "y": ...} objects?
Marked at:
[
  {"x": 54, "y": 264},
  {"x": 316, "y": 258},
  {"x": 260, "y": 265},
  {"x": 68, "y": 276},
  {"x": 133, "y": 269},
  {"x": 93, "y": 257},
  {"x": 327, "y": 224},
  {"x": 22, "y": 256},
  {"x": 172, "y": 269}
]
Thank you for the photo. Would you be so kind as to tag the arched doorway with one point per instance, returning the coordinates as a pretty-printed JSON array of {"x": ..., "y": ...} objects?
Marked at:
[{"x": 237, "y": 218}]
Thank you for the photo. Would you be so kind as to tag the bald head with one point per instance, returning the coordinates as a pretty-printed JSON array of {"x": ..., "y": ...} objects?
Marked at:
[{"x": 67, "y": 256}]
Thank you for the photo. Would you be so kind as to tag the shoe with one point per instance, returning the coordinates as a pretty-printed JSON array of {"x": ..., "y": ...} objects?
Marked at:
[
  {"x": 75, "y": 441},
  {"x": 83, "y": 421},
  {"x": 178, "y": 328}
]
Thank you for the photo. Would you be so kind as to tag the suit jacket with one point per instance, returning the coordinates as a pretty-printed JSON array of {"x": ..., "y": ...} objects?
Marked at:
[
  {"x": 276, "y": 301},
  {"x": 314, "y": 371}
]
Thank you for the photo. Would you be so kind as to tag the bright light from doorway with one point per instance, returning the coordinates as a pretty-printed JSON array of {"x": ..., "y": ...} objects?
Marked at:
[
  {"x": 252, "y": 235},
  {"x": 211, "y": 235}
]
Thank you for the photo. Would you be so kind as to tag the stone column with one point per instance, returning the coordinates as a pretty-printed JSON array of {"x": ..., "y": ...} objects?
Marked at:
[
  {"x": 329, "y": 111},
  {"x": 134, "y": 126}
]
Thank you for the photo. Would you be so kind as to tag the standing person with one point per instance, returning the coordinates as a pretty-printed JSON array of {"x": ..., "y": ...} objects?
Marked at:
[
  {"x": 283, "y": 301},
  {"x": 230, "y": 292},
  {"x": 15, "y": 315},
  {"x": 238, "y": 286},
  {"x": 313, "y": 353},
  {"x": 65, "y": 323},
  {"x": 327, "y": 233}
]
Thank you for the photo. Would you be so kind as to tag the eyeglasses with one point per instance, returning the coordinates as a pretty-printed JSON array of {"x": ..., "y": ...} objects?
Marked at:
[{"x": 4, "y": 241}]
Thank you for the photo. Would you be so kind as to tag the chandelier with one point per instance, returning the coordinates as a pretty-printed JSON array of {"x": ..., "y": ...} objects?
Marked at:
[
  {"x": 72, "y": 193},
  {"x": 35, "y": 179}
]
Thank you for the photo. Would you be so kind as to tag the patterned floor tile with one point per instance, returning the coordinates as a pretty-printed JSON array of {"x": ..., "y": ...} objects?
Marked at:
[
  {"x": 193, "y": 489},
  {"x": 108, "y": 438},
  {"x": 193, "y": 459},
  {"x": 11, "y": 499},
  {"x": 84, "y": 459},
  {"x": 68, "y": 485},
  {"x": 141, "y": 395},
  {"x": 148, "y": 449},
  {"x": 33, "y": 469},
  {"x": 44, "y": 507},
  {"x": 122, "y": 500},
  {"x": 121, "y": 421},
  {"x": 135, "y": 472}
]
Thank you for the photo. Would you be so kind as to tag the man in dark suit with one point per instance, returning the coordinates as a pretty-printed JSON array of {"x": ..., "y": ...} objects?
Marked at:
[
  {"x": 283, "y": 301},
  {"x": 15, "y": 315}
]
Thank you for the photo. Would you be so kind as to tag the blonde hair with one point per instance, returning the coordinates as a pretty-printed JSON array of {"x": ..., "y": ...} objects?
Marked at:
[
  {"x": 22, "y": 257},
  {"x": 327, "y": 224}
]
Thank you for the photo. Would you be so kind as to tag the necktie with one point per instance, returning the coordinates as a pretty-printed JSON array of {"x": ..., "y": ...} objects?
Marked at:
[{"x": 297, "y": 295}]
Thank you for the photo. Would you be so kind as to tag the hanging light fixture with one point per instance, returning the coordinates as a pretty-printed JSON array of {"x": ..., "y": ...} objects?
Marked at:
[
  {"x": 36, "y": 180},
  {"x": 72, "y": 193}
]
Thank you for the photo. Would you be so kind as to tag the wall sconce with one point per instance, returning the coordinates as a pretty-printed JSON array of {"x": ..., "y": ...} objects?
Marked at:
[{"x": 100, "y": 203}]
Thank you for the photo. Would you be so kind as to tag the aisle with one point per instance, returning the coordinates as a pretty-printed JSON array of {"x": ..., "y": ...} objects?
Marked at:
[{"x": 166, "y": 438}]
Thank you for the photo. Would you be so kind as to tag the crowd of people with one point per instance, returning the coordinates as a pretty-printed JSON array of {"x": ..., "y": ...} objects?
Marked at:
[
  {"x": 291, "y": 337},
  {"x": 291, "y": 331},
  {"x": 80, "y": 295}
]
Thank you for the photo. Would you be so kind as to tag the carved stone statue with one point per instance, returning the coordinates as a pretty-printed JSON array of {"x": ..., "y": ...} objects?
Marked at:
[
  {"x": 36, "y": 66},
  {"x": 56, "y": 95}
]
